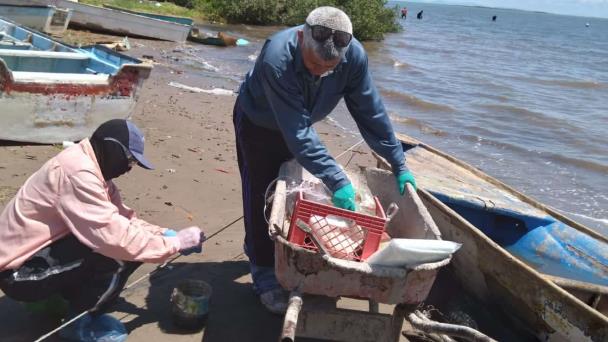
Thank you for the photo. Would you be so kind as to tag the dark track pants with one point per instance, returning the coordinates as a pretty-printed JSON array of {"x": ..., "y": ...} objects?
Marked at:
[
  {"x": 72, "y": 270},
  {"x": 260, "y": 153}
]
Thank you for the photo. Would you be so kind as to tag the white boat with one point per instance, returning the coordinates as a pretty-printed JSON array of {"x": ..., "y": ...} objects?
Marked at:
[
  {"x": 51, "y": 92},
  {"x": 115, "y": 21},
  {"x": 47, "y": 19}
]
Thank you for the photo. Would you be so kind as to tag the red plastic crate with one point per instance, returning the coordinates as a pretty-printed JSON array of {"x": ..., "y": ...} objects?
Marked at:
[{"x": 356, "y": 244}]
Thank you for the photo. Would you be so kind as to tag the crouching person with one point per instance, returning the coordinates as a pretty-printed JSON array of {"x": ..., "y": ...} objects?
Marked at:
[{"x": 67, "y": 233}]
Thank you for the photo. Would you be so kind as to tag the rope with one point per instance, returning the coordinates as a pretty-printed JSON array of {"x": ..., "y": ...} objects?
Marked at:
[
  {"x": 350, "y": 148},
  {"x": 41, "y": 338}
]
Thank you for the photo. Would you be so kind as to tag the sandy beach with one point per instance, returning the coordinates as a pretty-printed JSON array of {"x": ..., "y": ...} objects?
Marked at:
[{"x": 190, "y": 141}]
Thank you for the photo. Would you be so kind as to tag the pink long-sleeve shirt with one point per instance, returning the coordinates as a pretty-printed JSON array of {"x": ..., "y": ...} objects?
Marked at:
[{"x": 68, "y": 195}]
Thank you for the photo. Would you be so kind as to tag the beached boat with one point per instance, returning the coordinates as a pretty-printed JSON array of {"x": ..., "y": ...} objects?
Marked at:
[
  {"x": 516, "y": 251},
  {"x": 171, "y": 18},
  {"x": 118, "y": 22},
  {"x": 51, "y": 92},
  {"x": 47, "y": 19}
]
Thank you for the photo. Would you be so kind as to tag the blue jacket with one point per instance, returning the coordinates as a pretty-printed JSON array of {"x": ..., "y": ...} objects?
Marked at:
[{"x": 280, "y": 94}]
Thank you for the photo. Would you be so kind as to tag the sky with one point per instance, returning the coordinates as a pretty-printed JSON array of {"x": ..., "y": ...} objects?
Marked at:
[{"x": 585, "y": 8}]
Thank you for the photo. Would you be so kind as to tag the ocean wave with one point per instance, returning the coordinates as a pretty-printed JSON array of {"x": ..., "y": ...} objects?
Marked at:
[
  {"x": 415, "y": 102},
  {"x": 431, "y": 49},
  {"x": 586, "y": 164},
  {"x": 555, "y": 158},
  {"x": 520, "y": 111},
  {"x": 422, "y": 126},
  {"x": 400, "y": 64},
  {"x": 574, "y": 84},
  {"x": 602, "y": 221}
]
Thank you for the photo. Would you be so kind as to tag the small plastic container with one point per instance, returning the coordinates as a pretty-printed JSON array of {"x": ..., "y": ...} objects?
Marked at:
[
  {"x": 190, "y": 304},
  {"x": 357, "y": 245}
]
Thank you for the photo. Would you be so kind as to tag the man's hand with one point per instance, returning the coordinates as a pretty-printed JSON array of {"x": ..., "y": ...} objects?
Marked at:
[
  {"x": 405, "y": 177},
  {"x": 190, "y": 239},
  {"x": 345, "y": 197}
]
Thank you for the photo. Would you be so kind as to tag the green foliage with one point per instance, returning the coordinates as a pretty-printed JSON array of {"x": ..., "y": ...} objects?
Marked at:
[
  {"x": 370, "y": 18},
  {"x": 257, "y": 12}
]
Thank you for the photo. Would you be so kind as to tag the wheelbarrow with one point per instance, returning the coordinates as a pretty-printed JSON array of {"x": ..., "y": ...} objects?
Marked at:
[{"x": 308, "y": 271}]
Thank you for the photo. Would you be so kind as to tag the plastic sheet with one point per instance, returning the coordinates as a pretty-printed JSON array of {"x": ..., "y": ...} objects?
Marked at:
[{"x": 412, "y": 252}]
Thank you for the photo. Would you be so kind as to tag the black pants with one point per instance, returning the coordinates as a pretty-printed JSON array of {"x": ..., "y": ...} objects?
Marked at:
[
  {"x": 66, "y": 267},
  {"x": 260, "y": 153}
]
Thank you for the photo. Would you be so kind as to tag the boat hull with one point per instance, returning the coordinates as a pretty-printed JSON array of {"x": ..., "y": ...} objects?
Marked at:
[
  {"x": 52, "y": 118},
  {"x": 51, "y": 92},
  {"x": 495, "y": 277},
  {"x": 47, "y": 19},
  {"x": 487, "y": 270},
  {"x": 118, "y": 22}
]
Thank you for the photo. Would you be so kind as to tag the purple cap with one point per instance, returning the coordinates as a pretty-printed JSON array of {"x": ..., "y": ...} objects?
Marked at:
[{"x": 136, "y": 145}]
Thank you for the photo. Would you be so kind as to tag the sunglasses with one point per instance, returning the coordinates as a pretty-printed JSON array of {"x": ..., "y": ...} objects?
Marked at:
[
  {"x": 130, "y": 158},
  {"x": 322, "y": 33}
]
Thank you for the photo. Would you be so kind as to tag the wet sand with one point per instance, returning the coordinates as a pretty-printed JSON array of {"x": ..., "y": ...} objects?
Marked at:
[{"x": 190, "y": 141}]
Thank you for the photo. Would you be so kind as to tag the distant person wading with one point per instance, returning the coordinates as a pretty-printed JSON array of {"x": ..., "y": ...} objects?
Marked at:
[{"x": 419, "y": 15}]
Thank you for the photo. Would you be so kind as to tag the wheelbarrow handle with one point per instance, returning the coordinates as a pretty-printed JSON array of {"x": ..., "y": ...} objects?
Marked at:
[{"x": 290, "y": 322}]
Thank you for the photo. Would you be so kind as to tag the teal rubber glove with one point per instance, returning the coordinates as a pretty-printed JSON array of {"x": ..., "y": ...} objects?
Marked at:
[
  {"x": 405, "y": 177},
  {"x": 345, "y": 197}
]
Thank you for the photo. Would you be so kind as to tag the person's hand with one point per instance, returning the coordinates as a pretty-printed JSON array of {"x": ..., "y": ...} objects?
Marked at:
[
  {"x": 344, "y": 197},
  {"x": 405, "y": 177},
  {"x": 190, "y": 240}
]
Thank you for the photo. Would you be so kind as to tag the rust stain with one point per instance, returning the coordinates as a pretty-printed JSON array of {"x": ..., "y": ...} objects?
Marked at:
[
  {"x": 596, "y": 263},
  {"x": 122, "y": 84}
]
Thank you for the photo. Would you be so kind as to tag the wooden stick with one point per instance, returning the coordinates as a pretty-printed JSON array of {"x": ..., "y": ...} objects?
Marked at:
[{"x": 430, "y": 326}]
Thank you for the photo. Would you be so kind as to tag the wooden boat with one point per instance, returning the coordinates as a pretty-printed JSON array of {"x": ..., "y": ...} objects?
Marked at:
[
  {"x": 47, "y": 19},
  {"x": 516, "y": 251},
  {"x": 171, "y": 18},
  {"x": 51, "y": 92},
  {"x": 118, "y": 22}
]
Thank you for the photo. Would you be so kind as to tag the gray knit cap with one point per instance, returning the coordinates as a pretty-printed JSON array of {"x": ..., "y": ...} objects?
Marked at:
[{"x": 330, "y": 17}]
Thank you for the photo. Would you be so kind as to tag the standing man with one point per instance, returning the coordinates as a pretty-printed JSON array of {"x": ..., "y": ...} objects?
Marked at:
[
  {"x": 404, "y": 13},
  {"x": 67, "y": 234},
  {"x": 300, "y": 76}
]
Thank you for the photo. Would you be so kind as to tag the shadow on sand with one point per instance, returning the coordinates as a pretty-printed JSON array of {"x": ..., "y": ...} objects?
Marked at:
[{"x": 235, "y": 313}]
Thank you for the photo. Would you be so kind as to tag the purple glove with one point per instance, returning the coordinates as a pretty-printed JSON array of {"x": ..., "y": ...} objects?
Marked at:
[{"x": 190, "y": 239}]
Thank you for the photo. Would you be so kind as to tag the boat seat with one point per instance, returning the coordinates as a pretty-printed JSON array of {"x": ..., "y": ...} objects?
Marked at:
[
  {"x": 43, "y": 54},
  {"x": 56, "y": 78}
]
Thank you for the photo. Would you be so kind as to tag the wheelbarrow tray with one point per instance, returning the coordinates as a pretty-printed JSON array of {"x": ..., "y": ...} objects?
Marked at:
[{"x": 307, "y": 271}]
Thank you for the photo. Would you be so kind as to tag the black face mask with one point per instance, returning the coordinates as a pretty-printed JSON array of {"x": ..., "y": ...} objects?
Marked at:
[{"x": 110, "y": 155}]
